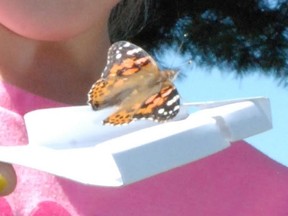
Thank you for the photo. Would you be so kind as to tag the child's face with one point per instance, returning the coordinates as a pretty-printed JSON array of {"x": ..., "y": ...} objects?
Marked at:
[{"x": 53, "y": 19}]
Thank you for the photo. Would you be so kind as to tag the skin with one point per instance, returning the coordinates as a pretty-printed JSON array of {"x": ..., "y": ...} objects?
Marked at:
[{"x": 52, "y": 48}]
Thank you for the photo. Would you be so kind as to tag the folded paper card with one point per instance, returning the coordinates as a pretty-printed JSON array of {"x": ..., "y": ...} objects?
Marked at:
[{"x": 64, "y": 140}]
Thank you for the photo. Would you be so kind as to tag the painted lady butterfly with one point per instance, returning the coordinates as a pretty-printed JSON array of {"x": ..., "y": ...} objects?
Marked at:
[{"x": 132, "y": 81}]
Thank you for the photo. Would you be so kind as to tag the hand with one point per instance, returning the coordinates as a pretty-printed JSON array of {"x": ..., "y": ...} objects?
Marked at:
[{"x": 8, "y": 179}]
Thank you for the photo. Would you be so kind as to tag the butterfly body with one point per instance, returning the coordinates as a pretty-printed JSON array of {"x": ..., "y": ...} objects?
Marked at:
[{"x": 132, "y": 81}]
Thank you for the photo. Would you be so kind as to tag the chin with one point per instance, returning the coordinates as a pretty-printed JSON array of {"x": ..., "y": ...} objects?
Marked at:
[
  {"x": 52, "y": 19},
  {"x": 46, "y": 32}
]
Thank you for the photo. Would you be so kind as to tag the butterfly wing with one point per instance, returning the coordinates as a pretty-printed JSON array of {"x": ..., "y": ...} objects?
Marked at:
[
  {"x": 130, "y": 77},
  {"x": 125, "y": 59},
  {"x": 120, "y": 117},
  {"x": 161, "y": 106},
  {"x": 98, "y": 96}
]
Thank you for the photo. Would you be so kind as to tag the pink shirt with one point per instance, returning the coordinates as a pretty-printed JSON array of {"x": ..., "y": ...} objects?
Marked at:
[{"x": 237, "y": 181}]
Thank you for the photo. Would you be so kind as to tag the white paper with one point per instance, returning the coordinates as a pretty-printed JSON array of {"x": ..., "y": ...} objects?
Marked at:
[{"x": 64, "y": 140}]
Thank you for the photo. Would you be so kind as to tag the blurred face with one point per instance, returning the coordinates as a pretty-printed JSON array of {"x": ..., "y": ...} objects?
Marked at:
[{"x": 54, "y": 20}]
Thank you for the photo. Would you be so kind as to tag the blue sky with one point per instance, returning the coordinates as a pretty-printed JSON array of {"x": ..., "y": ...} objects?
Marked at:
[{"x": 201, "y": 84}]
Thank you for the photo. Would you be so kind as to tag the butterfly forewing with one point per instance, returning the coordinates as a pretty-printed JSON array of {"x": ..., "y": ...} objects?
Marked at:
[
  {"x": 162, "y": 106},
  {"x": 125, "y": 59}
]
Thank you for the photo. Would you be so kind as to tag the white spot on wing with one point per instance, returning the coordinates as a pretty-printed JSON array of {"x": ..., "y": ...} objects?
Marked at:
[
  {"x": 131, "y": 52},
  {"x": 176, "y": 108},
  {"x": 127, "y": 44},
  {"x": 173, "y": 100},
  {"x": 118, "y": 56}
]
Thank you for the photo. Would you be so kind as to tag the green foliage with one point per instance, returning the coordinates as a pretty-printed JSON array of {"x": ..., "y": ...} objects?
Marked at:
[{"x": 241, "y": 35}]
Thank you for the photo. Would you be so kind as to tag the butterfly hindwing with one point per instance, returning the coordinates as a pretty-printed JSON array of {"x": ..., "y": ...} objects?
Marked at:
[{"x": 120, "y": 117}]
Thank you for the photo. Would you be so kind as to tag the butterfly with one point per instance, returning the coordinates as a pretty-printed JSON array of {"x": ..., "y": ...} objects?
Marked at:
[{"x": 133, "y": 82}]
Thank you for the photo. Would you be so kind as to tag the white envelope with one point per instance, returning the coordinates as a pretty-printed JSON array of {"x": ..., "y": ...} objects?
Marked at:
[{"x": 72, "y": 142}]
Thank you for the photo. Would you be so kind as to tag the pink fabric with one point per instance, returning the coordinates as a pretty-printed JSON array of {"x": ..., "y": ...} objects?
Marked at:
[
  {"x": 5, "y": 208},
  {"x": 237, "y": 181},
  {"x": 49, "y": 208}
]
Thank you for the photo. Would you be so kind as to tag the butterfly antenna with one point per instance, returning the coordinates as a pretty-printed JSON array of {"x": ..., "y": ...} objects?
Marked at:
[
  {"x": 177, "y": 52},
  {"x": 181, "y": 44}
]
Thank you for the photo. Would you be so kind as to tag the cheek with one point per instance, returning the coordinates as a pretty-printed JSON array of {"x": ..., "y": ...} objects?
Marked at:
[{"x": 53, "y": 19}]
